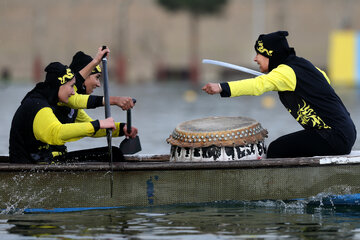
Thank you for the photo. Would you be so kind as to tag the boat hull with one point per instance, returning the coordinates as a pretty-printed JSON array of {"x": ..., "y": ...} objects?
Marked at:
[{"x": 162, "y": 183}]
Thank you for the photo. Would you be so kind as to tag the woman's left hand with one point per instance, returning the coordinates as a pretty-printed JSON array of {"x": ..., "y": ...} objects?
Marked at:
[{"x": 132, "y": 134}]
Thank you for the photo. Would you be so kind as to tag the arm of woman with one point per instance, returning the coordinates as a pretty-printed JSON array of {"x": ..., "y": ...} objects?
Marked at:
[
  {"x": 48, "y": 129},
  {"x": 84, "y": 117},
  {"x": 282, "y": 78},
  {"x": 119, "y": 131}
]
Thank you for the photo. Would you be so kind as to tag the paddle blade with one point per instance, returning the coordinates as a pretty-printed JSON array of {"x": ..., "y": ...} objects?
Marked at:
[{"x": 130, "y": 145}]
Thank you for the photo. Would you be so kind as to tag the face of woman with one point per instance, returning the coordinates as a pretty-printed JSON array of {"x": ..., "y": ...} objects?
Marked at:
[
  {"x": 66, "y": 90},
  {"x": 263, "y": 62},
  {"x": 92, "y": 82}
]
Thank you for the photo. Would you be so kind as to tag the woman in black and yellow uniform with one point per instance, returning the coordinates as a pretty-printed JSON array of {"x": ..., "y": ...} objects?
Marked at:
[
  {"x": 87, "y": 74},
  {"x": 35, "y": 127},
  {"x": 306, "y": 93}
]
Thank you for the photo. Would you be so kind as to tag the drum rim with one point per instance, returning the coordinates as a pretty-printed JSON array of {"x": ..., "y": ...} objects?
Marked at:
[
  {"x": 178, "y": 127},
  {"x": 234, "y": 137}
]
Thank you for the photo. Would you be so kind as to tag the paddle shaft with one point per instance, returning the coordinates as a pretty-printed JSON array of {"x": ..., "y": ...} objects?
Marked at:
[
  {"x": 107, "y": 101},
  {"x": 107, "y": 115},
  {"x": 128, "y": 120}
]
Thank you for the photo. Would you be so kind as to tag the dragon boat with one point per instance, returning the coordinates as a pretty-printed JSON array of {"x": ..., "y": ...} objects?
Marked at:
[
  {"x": 153, "y": 180},
  {"x": 213, "y": 159}
]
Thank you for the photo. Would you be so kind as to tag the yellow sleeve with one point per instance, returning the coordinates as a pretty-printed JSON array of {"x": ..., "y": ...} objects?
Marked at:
[
  {"x": 282, "y": 78},
  {"x": 48, "y": 129},
  {"x": 102, "y": 132},
  {"x": 77, "y": 101},
  {"x": 83, "y": 117}
]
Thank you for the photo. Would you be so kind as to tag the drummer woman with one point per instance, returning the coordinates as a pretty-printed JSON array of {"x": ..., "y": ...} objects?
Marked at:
[
  {"x": 34, "y": 126},
  {"x": 305, "y": 92}
]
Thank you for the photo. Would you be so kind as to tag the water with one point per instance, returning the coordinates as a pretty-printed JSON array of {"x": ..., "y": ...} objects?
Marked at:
[
  {"x": 263, "y": 220},
  {"x": 158, "y": 110}
]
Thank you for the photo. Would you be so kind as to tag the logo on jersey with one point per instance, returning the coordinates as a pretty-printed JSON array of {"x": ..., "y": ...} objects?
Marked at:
[{"x": 307, "y": 116}]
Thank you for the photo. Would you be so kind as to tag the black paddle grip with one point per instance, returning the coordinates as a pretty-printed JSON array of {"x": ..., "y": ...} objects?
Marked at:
[
  {"x": 104, "y": 56},
  {"x": 128, "y": 118}
]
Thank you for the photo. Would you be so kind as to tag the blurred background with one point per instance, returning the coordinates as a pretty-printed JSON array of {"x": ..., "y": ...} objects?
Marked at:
[{"x": 156, "y": 51}]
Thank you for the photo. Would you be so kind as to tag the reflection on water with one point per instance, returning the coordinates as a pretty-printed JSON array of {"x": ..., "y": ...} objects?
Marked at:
[
  {"x": 161, "y": 107},
  {"x": 240, "y": 220}
]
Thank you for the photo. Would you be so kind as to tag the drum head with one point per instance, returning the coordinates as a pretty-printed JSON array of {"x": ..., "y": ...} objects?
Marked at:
[
  {"x": 215, "y": 124},
  {"x": 218, "y": 131}
]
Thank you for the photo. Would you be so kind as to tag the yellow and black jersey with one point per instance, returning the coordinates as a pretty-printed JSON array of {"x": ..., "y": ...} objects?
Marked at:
[
  {"x": 73, "y": 112},
  {"x": 82, "y": 116},
  {"x": 306, "y": 93},
  {"x": 69, "y": 115},
  {"x": 82, "y": 101},
  {"x": 35, "y": 128}
]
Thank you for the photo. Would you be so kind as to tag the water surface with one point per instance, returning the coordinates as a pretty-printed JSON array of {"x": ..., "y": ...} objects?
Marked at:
[{"x": 241, "y": 220}]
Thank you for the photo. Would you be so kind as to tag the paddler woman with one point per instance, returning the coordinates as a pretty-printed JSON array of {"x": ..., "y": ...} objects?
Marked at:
[
  {"x": 88, "y": 73},
  {"x": 35, "y": 127},
  {"x": 305, "y": 92}
]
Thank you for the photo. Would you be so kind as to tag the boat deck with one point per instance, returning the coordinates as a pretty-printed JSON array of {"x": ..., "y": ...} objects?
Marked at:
[{"x": 161, "y": 162}]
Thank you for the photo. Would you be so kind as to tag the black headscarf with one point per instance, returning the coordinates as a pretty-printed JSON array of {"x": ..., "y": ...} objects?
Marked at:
[
  {"x": 57, "y": 74},
  {"x": 275, "y": 47},
  {"x": 79, "y": 61}
]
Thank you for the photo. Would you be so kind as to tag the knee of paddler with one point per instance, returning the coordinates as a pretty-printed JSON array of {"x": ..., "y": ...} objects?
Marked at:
[
  {"x": 57, "y": 151},
  {"x": 42, "y": 157}
]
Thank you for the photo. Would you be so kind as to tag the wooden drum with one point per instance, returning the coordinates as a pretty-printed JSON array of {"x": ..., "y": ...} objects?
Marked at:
[{"x": 218, "y": 139}]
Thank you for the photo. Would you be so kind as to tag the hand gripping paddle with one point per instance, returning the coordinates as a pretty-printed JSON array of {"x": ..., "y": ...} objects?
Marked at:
[{"x": 130, "y": 145}]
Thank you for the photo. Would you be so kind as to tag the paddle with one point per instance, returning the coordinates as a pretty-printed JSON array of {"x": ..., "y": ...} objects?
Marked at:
[
  {"x": 107, "y": 115},
  {"x": 130, "y": 145}
]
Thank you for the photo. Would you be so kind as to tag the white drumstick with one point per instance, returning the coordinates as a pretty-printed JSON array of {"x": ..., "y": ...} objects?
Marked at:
[{"x": 232, "y": 66}]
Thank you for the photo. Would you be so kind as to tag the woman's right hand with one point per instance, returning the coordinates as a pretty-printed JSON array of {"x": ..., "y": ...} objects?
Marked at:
[
  {"x": 212, "y": 88},
  {"x": 100, "y": 54},
  {"x": 125, "y": 103}
]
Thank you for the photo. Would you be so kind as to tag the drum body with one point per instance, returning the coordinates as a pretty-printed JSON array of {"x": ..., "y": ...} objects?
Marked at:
[{"x": 218, "y": 139}]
